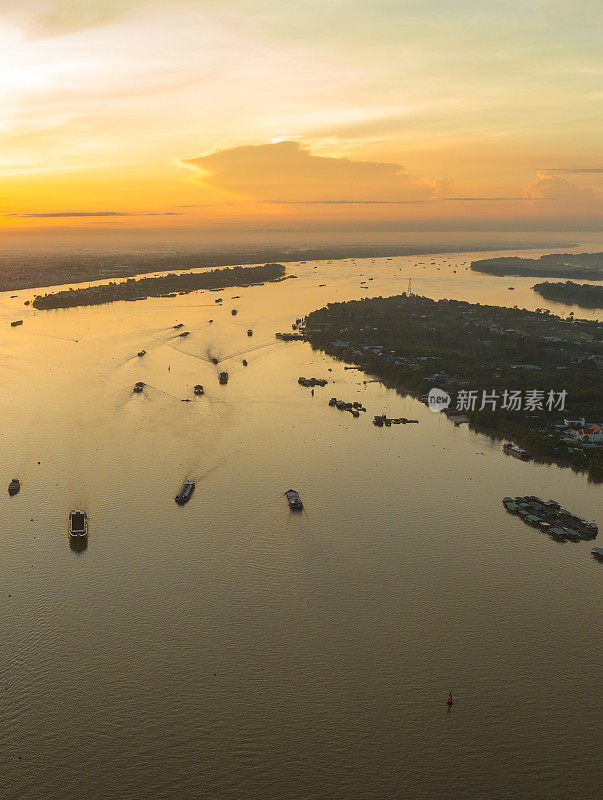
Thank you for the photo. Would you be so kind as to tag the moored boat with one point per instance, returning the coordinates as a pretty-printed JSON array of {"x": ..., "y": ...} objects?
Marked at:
[
  {"x": 185, "y": 493},
  {"x": 78, "y": 524},
  {"x": 294, "y": 500},
  {"x": 14, "y": 487}
]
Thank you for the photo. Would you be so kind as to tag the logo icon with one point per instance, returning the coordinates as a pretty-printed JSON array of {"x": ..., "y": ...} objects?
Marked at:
[{"x": 437, "y": 399}]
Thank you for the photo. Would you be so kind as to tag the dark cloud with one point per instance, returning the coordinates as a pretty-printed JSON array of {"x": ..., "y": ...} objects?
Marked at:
[
  {"x": 576, "y": 170},
  {"x": 60, "y": 214}
]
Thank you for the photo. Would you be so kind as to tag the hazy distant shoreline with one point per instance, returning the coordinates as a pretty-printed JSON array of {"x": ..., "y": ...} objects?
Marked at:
[{"x": 37, "y": 271}]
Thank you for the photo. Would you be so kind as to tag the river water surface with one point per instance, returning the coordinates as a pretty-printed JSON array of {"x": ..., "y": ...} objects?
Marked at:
[{"x": 232, "y": 649}]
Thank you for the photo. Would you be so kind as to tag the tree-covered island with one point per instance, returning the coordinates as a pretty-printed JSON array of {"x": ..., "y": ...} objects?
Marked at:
[
  {"x": 586, "y": 295},
  {"x": 585, "y": 266},
  {"x": 414, "y": 343},
  {"x": 165, "y": 285}
]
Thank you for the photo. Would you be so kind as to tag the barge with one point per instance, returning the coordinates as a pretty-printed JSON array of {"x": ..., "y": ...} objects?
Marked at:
[{"x": 78, "y": 524}]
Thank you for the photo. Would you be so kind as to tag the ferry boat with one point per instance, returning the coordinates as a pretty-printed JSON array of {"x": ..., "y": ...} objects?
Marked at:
[
  {"x": 78, "y": 524},
  {"x": 14, "y": 487},
  {"x": 185, "y": 493},
  {"x": 223, "y": 377},
  {"x": 198, "y": 389},
  {"x": 138, "y": 387},
  {"x": 294, "y": 500},
  {"x": 513, "y": 450},
  {"x": 142, "y": 353}
]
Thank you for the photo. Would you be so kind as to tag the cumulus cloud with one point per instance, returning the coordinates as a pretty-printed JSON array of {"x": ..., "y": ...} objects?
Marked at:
[
  {"x": 547, "y": 186},
  {"x": 288, "y": 172}
]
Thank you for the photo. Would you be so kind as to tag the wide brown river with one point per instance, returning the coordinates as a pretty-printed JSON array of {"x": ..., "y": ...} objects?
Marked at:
[{"x": 232, "y": 649}]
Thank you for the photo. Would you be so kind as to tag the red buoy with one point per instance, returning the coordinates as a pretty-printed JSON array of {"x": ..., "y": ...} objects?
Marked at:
[{"x": 450, "y": 701}]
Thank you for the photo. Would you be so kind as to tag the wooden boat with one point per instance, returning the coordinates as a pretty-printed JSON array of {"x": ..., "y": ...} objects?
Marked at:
[
  {"x": 294, "y": 500},
  {"x": 185, "y": 493}
]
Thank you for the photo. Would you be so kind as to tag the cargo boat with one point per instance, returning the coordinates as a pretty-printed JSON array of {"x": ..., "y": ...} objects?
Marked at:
[
  {"x": 294, "y": 500},
  {"x": 78, "y": 524},
  {"x": 185, "y": 493},
  {"x": 14, "y": 487},
  {"x": 513, "y": 450}
]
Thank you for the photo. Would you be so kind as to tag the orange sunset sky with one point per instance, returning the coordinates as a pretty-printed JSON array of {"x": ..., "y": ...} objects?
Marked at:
[{"x": 206, "y": 115}]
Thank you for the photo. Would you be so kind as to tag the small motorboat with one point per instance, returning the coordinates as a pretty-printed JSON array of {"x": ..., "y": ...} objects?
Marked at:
[
  {"x": 234, "y": 312},
  {"x": 597, "y": 552},
  {"x": 142, "y": 353},
  {"x": 78, "y": 524},
  {"x": 249, "y": 332},
  {"x": 223, "y": 377},
  {"x": 215, "y": 360},
  {"x": 294, "y": 500},
  {"x": 244, "y": 362},
  {"x": 14, "y": 487},
  {"x": 185, "y": 493},
  {"x": 179, "y": 325},
  {"x": 198, "y": 389},
  {"x": 138, "y": 387},
  {"x": 16, "y": 322},
  {"x": 184, "y": 333}
]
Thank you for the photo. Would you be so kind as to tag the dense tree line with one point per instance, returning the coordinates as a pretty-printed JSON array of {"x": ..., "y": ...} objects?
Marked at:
[{"x": 582, "y": 294}]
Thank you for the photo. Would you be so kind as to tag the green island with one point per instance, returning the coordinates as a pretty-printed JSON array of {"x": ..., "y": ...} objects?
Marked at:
[
  {"x": 586, "y": 295},
  {"x": 163, "y": 286},
  {"x": 586, "y": 266},
  {"x": 414, "y": 343}
]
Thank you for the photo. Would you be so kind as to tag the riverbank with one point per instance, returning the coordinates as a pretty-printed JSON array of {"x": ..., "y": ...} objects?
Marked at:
[
  {"x": 165, "y": 286},
  {"x": 514, "y": 372}
]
